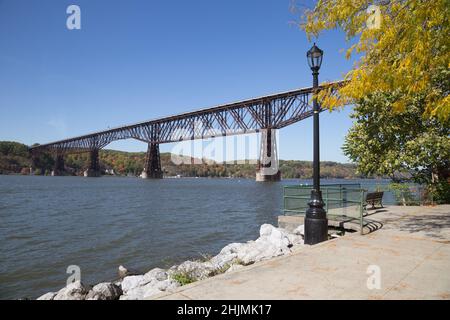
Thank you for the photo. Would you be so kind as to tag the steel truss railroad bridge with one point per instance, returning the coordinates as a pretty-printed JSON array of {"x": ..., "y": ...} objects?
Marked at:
[{"x": 263, "y": 114}]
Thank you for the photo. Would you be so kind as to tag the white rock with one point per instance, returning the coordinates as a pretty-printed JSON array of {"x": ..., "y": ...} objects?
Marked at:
[
  {"x": 221, "y": 260},
  {"x": 227, "y": 255},
  {"x": 232, "y": 248},
  {"x": 276, "y": 236},
  {"x": 271, "y": 243},
  {"x": 300, "y": 230},
  {"x": 47, "y": 296},
  {"x": 136, "y": 293},
  {"x": 167, "y": 285},
  {"x": 265, "y": 230},
  {"x": 104, "y": 291},
  {"x": 150, "y": 289},
  {"x": 74, "y": 291},
  {"x": 255, "y": 251},
  {"x": 93, "y": 295},
  {"x": 195, "y": 269},
  {"x": 295, "y": 239},
  {"x": 132, "y": 282},
  {"x": 123, "y": 272},
  {"x": 156, "y": 274},
  {"x": 152, "y": 283},
  {"x": 280, "y": 237}
]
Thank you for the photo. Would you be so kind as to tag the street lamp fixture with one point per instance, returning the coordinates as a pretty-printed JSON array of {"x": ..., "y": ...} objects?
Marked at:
[
  {"x": 314, "y": 56},
  {"x": 316, "y": 222}
]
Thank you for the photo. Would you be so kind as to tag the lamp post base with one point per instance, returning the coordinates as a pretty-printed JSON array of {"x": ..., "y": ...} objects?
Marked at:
[{"x": 316, "y": 222}]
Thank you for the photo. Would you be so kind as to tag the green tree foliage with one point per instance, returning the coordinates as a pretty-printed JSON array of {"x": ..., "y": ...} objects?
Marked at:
[
  {"x": 403, "y": 194},
  {"x": 403, "y": 46},
  {"x": 13, "y": 148},
  {"x": 385, "y": 143},
  {"x": 13, "y": 157}
]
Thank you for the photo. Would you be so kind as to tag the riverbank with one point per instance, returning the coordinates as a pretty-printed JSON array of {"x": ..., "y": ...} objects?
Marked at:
[
  {"x": 272, "y": 242},
  {"x": 50, "y": 223},
  {"x": 407, "y": 258},
  {"x": 16, "y": 158}
]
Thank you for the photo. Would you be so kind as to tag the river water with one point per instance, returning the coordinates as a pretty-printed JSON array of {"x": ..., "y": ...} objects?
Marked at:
[{"x": 49, "y": 223}]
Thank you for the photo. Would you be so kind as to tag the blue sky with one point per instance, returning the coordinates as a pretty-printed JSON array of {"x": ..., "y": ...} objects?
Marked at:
[{"x": 137, "y": 60}]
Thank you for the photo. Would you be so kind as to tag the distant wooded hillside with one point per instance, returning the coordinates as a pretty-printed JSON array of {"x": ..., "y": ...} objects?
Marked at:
[{"x": 15, "y": 159}]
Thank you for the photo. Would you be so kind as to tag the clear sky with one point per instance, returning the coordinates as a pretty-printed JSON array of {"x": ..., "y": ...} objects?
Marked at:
[{"x": 137, "y": 60}]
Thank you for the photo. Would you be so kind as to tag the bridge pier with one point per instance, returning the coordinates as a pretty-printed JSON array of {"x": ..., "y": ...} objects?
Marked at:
[
  {"x": 152, "y": 166},
  {"x": 268, "y": 169},
  {"x": 34, "y": 162},
  {"x": 58, "y": 167},
  {"x": 94, "y": 165}
]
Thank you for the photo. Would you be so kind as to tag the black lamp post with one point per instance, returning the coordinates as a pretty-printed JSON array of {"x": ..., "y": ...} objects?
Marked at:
[{"x": 316, "y": 222}]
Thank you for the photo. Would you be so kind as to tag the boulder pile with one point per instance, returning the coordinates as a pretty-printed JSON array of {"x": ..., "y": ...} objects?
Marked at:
[{"x": 272, "y": 242}]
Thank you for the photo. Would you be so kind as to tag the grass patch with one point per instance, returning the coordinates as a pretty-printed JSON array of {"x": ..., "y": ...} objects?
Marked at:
[
  {"x": 228, "y": 266},
  {"x": 239, "y": 261},
  {"x": 183, "y": 278}
]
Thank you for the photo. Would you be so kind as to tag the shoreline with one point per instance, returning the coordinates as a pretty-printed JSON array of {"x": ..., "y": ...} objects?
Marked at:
[
  {"x": 174, "y": 177},
  {"x": 272, "y": 242}
]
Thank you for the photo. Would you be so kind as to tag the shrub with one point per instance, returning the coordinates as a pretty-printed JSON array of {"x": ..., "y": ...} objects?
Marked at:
[{"x": 183, "y": 278}]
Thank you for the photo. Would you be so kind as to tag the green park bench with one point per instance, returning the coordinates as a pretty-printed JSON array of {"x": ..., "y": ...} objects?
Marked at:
[{"x": 373, "y": 199}]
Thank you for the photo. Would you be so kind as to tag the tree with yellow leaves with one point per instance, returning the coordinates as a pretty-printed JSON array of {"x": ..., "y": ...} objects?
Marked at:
[{"x": 404, "y": 47}]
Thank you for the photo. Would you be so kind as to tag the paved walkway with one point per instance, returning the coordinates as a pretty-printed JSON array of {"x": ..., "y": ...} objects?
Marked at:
[{"x": 411, "y": 250}]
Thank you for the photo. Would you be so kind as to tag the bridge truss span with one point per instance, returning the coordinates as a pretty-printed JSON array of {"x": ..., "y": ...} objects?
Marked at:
[{"x": 248, "y": 116}]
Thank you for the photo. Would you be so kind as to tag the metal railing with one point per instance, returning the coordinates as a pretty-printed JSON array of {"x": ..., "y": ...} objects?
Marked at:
[{"x": 343, "y": 202}]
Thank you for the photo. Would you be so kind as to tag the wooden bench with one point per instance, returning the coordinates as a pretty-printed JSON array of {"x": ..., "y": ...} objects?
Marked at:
[{"x": 374, "y": 198}]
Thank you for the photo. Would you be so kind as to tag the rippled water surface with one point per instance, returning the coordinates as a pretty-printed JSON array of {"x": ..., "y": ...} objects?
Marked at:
[{"x": 49, "y": 223}]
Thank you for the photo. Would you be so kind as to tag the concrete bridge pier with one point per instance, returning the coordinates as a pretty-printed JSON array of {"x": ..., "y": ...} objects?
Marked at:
[
  {"x": 268, "y": 169},
  {"x": 94, "y": 165},
  {"x": 34, "y": 162},
  {"x": 58, "y": 167},
  {"x": 152, "y": 166}
]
